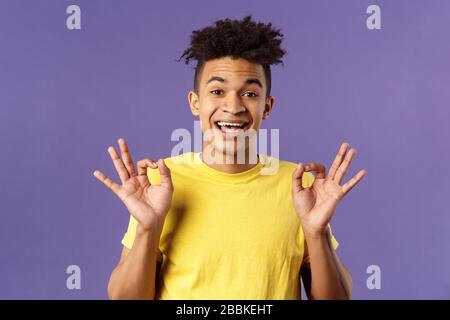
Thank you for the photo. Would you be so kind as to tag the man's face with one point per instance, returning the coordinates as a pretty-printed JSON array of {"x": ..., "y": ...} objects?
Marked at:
[{"x": 231, "y": 99}]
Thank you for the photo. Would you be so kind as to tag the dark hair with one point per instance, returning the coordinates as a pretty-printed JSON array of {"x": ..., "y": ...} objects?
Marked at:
[{"x": 255, "y": 42}]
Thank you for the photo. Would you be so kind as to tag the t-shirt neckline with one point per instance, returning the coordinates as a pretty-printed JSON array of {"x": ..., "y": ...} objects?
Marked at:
[{"x": 229, "y": 177}]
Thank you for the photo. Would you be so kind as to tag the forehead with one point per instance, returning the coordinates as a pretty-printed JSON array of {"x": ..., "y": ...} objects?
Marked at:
[{"x": 232, "y": 69}]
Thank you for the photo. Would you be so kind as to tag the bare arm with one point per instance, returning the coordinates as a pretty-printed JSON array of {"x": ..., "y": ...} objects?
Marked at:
[
  {"x": 136, "y": 273},
  {"x": 325, "y": 277}
]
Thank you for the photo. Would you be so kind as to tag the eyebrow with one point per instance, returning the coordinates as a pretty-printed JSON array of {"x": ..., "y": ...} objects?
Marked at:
[{"x": 248, "y": 81}]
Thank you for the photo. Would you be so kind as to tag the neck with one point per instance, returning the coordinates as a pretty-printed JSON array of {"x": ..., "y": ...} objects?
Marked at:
[{"x": 230, "y": 163}]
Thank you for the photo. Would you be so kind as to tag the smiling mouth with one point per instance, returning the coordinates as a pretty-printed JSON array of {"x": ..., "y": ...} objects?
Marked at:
[{"x": 231, "y": 127}]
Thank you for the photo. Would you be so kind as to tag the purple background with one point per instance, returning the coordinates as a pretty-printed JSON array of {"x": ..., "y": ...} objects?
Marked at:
[{"x": 65, "y": 96}]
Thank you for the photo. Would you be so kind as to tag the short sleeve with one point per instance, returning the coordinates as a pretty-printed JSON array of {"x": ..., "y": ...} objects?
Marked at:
[
  {"x": 334, "y": 245},
  {"x": 129, "y": 236}
]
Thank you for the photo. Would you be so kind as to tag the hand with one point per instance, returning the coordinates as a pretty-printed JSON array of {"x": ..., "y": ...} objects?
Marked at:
[
  {"x": 315, "y": 205},
  {"x": 149, "y": 204}
]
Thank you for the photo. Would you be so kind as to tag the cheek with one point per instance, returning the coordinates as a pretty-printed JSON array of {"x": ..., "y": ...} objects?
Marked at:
[
  {"x": 257, "y": 118},
  {"x": 257, "y": 115},
  {"x": 206, "y": 113},
  {"x": 256, "y": 123}
]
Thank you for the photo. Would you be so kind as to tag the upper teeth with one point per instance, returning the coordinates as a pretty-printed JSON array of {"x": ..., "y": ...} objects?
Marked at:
[{"x": 221, "y": 123}]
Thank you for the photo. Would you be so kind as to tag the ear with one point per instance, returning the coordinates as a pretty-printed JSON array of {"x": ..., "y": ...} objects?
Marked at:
[
  {"x": 194, "y": 103},
  {"x": 268, "y": 107}
]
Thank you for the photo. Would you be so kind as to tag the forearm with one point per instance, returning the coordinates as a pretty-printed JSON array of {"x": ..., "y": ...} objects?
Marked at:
[
  {"x": 329, "y": 280},
  {"x": 135, "y": 277}
]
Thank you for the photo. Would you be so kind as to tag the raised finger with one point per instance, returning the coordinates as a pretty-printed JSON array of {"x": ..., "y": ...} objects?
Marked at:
[
  {"x": 353, "y": 181},
  {"x": 338, "y": 160},
  {"x": 126, "y": 157},
  {"x": 340, "y": 173},
  {"x": 318, "y": 168},
  {"x": 118, "y": 164},
  {"x": 107, "y": 181}
]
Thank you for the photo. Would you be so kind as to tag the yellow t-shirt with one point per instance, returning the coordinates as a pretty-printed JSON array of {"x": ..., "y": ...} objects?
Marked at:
[{"x": 229, "y": 236}]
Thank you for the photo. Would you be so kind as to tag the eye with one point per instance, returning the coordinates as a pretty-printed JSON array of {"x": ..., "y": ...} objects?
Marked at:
[
  {"x": 253, "y": 94},
  {"x": 215, "y": 91}
]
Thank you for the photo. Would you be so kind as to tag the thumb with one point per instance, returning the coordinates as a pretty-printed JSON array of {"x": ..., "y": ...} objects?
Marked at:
[
  {"x": 166, "y": 178},
  {"x": 297, "y": 178}
]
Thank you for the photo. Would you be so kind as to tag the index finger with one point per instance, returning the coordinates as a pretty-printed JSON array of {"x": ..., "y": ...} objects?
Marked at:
[{"x": 318, "y": 168}]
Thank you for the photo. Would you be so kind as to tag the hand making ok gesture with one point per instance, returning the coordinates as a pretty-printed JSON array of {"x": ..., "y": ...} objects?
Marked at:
[
  {"x": 149, "y": 204},
  {"x": 315, "y": 205}
]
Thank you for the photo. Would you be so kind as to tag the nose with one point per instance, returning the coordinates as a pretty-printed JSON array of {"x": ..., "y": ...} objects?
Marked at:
[{"x": 233, "y": 105}]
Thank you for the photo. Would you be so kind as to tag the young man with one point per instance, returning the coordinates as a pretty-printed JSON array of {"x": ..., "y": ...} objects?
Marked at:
[{"x": 206, "y": 229}]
